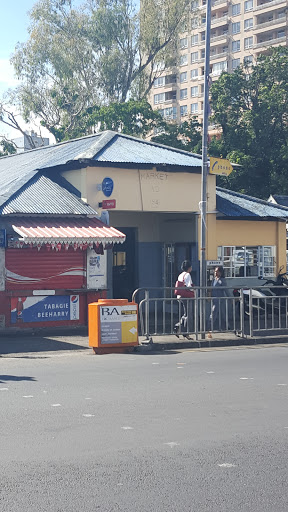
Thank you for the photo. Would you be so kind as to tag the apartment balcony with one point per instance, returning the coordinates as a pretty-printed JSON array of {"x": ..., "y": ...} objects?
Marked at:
[
  {"x": 270, "y": 42},
  {"x": 260, "y": 27},
  {"x": 171, "y": 85},
  {"x": 220, "y": 21},
  {"x": 223, "y": 38},
  {"x": 215, "y": 5},
  {"x": 270, "y": 5},
  {"x": 169, "y": 101},
  {"x": 218, "y": 55}
]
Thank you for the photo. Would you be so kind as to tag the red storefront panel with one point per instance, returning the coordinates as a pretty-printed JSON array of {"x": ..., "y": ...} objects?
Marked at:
[{"x": 30, "y": 269}]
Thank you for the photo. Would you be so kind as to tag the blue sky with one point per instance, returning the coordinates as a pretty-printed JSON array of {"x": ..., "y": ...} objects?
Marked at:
[
  {"x": 14, "y": 28},
  {"x": 14, "y": 23}
]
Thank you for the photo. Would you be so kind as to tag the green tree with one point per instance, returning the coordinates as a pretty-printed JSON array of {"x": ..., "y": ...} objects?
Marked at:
[
  {"x": 135, "y": 117},
  {"x": 6, "y": 147},
  {"x": 104, "y": 51},
  {"x": 251, "y": 106},
  {"x": 186, "y": 136}
]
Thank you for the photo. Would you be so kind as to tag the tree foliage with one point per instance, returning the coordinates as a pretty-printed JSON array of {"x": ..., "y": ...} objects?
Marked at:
[
  {"x": 186, "y": 136},
  {"x": 251, "y": 106},
  {"x": 79, "y": 58},
  {"x": 134, "y": 117},
  {"x": 6, "y": 147}
]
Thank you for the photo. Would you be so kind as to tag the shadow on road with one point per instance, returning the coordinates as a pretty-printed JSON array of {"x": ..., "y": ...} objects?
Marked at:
[
  {"x": 15, "y": 378},
  {"x": 40, "y": 344}
]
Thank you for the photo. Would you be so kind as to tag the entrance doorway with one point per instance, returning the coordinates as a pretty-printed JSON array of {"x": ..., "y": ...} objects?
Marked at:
[
  {"x": 174, "y": 255},
  {"x": 125, "y": 265}
]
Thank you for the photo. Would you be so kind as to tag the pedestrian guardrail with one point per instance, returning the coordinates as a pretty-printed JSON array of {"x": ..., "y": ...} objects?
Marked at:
[{"x": 245, "y": 312}]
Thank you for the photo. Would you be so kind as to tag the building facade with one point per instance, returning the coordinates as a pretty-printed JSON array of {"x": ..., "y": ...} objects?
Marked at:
[
  {"x": 30, "y": 141},
  {"x": 56, "y": 256},
  {"x": 240, "y": 31}
]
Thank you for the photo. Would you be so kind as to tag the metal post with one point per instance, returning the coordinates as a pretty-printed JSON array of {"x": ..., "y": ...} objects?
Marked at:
[{"x": 203, "y": 206}]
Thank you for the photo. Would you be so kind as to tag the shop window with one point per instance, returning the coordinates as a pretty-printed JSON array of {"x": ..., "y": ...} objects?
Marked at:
[
  {"x": 119, "y": 259},
  {"x": 248, "y": 261}
]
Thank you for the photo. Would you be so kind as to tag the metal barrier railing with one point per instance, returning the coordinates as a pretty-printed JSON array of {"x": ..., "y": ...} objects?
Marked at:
[{"x": 241, "y": 313}]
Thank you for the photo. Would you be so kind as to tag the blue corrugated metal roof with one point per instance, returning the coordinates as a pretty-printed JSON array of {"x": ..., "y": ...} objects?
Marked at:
[
  {"x": 233, "y": 204},
  {"x": 43, "y": 196},
  {"x": 111, "y": 147},
  {"x": 125, "y": 149},
  {"x": 282, "y": 200}
]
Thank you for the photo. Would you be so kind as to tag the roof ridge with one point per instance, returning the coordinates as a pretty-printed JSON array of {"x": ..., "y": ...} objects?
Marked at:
[
  {"x": 107, "y": 136},
  {"x": 103, "y": 140},
  {"x": 50, "y": 145},
  {"x": 148, "y": 142}
]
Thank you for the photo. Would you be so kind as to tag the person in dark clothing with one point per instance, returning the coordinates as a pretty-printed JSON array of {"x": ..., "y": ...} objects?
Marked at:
[{"x": 218, "y": 305}]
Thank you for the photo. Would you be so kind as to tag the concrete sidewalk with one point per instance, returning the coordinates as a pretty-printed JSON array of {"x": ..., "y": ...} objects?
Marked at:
[
  {"x": 78, "y": 342},
  {"x": 30, "y": 344},
  {"x": 218, "y": 340}
]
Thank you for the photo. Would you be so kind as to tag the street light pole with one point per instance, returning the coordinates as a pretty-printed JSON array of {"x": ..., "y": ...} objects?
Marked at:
[{"x": 203, "y": 204}]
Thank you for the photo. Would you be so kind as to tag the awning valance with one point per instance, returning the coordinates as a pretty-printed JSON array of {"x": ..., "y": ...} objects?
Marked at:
[{"x": 82, "y": 231}]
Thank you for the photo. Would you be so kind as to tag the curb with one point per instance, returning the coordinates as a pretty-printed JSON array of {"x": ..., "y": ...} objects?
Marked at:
[{"x": 145, "y": 347}]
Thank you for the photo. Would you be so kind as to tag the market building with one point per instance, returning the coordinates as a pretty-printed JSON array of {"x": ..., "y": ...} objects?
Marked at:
[{"x": 54, "y": 245}]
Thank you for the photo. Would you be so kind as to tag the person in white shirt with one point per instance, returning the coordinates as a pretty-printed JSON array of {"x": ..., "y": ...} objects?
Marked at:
[{"x": 187, "y": 320}]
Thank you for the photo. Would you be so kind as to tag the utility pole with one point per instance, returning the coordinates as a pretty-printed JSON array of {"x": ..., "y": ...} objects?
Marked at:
[{"x": 203, "y": 204}]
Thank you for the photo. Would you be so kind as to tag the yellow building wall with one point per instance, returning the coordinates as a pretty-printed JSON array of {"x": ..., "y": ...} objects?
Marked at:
[
  {"x": 241, "y": 232},
  {"x": 137, "y": 190},
  {"x": 77, "y": 178},
  {"x": 144, "y": 190}
]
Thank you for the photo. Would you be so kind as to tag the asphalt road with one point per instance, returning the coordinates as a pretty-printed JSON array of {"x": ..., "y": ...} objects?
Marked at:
[{"x": 189, "y": 431}]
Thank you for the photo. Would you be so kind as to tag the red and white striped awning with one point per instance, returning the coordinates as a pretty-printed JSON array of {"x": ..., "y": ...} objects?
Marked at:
[{"x": 83, "y": 232}]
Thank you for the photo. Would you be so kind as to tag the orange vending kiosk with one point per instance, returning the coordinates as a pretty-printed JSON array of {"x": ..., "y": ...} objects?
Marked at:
[{"x": 112, "y": 325}]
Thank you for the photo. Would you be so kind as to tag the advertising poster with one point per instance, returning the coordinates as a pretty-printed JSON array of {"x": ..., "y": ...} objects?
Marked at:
[
  {"x": 56, "y": 308},
  {"x": 118, "y": 324},
  {"x": 96, "y": 270}
]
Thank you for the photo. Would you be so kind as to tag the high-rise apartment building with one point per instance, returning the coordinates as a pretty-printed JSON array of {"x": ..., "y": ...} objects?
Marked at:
[{"x": 240, "y": 30}]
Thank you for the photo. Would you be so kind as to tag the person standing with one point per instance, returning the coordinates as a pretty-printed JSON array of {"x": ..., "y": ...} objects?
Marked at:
[
  {"x": 218, "y": 304},
  {"x": 184, "y": 295}
]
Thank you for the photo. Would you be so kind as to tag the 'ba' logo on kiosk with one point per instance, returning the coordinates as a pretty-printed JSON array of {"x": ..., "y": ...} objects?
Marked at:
[{"x": 74, "y": 307}]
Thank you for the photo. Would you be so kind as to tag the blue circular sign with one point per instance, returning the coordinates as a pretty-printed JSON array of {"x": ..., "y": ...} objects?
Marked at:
[{"x": 107, "y": 187}]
